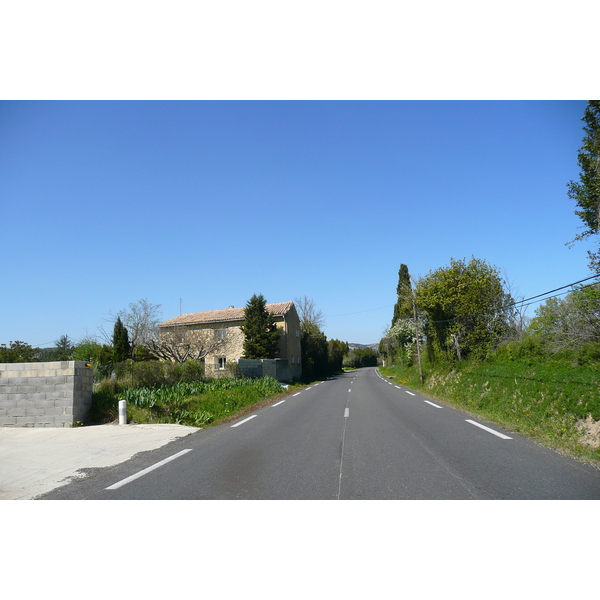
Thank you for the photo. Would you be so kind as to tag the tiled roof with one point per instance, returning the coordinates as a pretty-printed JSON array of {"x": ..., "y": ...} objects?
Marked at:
[{"x": 223, "y": 315}]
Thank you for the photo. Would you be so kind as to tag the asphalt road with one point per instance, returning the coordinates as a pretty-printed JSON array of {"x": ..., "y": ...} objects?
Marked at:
[{"x": 356, "y": 436}]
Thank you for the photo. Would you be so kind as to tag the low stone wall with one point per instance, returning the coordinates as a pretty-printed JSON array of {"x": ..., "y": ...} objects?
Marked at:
[
  {"x": 277, "y": 368},
  {"x": 49, "y": 394}
]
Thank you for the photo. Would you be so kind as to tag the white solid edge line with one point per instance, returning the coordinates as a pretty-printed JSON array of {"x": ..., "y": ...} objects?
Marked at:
[
  {"x": 409, "y": 393},
  {"x": 278, "y": 403},
  {"x": 500, "y": 435},
  {"x": 141, "y": 473},
  {"x": 432, "y": 404},
  {"x": 237, "y": 424}
]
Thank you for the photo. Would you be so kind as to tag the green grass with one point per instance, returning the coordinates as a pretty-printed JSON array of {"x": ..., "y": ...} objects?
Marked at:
[{"x": 546, "y": 400}]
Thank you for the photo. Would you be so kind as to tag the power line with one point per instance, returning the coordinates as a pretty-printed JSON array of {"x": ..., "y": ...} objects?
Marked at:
[
  {"x": 359, "y": 312},
  {"x": 522, "y": 302},
  {"x": 512, "y": 304}
]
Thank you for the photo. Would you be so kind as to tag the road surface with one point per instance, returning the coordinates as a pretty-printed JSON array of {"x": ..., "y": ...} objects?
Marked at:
[{"x": 356, "y": 436}]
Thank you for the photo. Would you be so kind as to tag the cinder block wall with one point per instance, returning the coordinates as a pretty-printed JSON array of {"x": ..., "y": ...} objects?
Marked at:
[
  {"x": 267, "y": 367},
  {"x": 49, "y": 394}
]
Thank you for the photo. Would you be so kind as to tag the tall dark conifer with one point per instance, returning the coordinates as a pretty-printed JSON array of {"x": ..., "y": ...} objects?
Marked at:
[
  {"x": 121, "y": 345},
  {"x": 403, "y": 307},
  {"x": 261, "y": 335}
]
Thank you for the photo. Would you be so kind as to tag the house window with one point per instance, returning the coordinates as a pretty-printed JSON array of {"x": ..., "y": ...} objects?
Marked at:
[
  {"x": 297, "y": 333},
  {"x": 221, "y": 334},
  {"x": 221, "y": 363},
  {"x": 293, "y": 359}
]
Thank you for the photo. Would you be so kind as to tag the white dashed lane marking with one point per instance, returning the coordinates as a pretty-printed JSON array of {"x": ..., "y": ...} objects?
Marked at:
[
  {"x": 145, "y": 471},
  {"x": 244, "y": 421},
  {"x": 500, "y": 435}
]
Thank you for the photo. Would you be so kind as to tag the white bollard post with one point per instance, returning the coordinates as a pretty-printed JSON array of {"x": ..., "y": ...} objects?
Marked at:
[{"x": 122, "y": 412}]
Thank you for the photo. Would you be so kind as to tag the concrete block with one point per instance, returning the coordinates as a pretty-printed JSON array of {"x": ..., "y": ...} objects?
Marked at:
[
  {"x": 8, "y": 420},
  {"x": 19, "y": 399},
  {"x": 45, "y": 402},
  {"x": 57, "y": 411}
]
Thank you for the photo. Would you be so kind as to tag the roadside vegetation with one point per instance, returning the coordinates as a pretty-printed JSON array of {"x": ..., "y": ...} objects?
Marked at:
[{"x": 158, "y": 392}]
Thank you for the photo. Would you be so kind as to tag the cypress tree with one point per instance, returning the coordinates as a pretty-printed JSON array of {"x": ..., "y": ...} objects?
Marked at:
[
  {"x": 121, "y": 345},
  {"x": 403, "y": 307},
  {"x": 261, "y": 335}
]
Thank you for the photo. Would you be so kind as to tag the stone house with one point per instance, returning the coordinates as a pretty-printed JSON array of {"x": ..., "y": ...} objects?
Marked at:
[{"x": 218, "y": 331}]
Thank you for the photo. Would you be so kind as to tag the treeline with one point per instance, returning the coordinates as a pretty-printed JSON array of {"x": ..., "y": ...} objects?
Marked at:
[{"x": 465, "y": 312}]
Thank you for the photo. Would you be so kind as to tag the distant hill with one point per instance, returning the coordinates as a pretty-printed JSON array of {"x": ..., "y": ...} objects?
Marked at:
[{"x": 356, "y": 346}]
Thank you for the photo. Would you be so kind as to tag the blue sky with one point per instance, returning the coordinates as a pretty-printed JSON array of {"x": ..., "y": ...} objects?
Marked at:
[{"x": 105, "y": 203}]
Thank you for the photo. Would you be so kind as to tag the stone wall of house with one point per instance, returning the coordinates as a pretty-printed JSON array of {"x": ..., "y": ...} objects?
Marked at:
[{"x": 48, "y": 394}]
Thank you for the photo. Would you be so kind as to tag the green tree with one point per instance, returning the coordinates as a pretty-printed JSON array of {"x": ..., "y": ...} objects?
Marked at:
[
  {"x": 261, "y": 334},
  {"x": 465, "y": 309},
  {"x": 63, "y": 349},
  {"x": 586, "y": 192},
  {"x": 120, "y": 340},
  {"x": 403, "y": 307},
  {"x": 315, "y": 354},
  {"x": 362, "y": 357},
  {"x": 570, "y": 322},
  {"x": 336, "y": 350},
  {"x": 18, "y": 352},
  {"x": 316, "y": 361},
  {"x": 100, "y": 355}
]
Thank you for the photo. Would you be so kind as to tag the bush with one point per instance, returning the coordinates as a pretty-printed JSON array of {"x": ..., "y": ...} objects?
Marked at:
[
  {"x": 155, "y": 373},
  {"x": 188, "y": 372},
  {"x": 105, "y": 403},
  {"x": 588, "y": 355},
  {"x": 148, "y": 374}
]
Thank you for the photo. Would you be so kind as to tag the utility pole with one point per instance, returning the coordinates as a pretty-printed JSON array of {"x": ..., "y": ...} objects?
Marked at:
[{"x": 412, "y": 297}]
